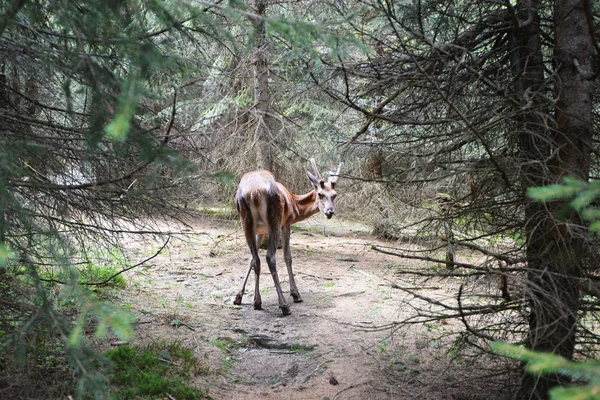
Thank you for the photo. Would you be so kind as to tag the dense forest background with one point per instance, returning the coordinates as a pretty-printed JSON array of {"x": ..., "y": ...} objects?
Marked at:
[{"x": 116, "y": 114}]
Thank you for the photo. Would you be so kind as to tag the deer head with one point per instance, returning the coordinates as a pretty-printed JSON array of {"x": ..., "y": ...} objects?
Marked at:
[{"x": 324, "y": 189}]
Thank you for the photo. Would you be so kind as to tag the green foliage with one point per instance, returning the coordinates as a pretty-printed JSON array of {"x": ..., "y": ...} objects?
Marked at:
[
  {"x": 226, "y": 345},
  {"x": 572, "y": 187},
  {"x": 119, "y": 127},
  {"x": 99, "y": 273},
  {"x": 49, "y": 341},
  {"x": 582, "y": 195},
  {"x": 102, "y": 263},
  {"x": 155, "y": 372},
  {"x": 540, "y": 363},
  {"x": 309, "y": 39},
  {"x": 106, "y": 315},
  {"x": 227, "y": 179},
  {"x": 6, "y": 254},
  {"x": 83, "y": 148}
]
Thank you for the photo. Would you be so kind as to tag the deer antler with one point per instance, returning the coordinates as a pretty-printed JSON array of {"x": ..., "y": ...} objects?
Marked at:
[
  {"x": 334, "y": 177},
  {"x": 314, "y": 165}
]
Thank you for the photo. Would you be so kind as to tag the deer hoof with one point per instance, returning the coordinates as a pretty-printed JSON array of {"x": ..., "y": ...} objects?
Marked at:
[
  {"x": 258, "y": 306},
  {"x": 285, "y": 310},
  {"x": 238, "y": 300},
  {"x": 297, "y": 298}
]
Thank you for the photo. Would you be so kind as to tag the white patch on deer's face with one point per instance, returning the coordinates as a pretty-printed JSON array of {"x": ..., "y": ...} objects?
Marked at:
[{"x": 325, "y": 198}]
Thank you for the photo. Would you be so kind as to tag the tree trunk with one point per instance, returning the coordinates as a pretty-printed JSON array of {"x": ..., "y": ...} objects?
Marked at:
[
  {"x": 262, "y": 96},
  {"x": 556, "y": 249}
]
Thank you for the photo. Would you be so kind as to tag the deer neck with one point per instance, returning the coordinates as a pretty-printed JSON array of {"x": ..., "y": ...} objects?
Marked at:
[{"x": 307, "y": 206}]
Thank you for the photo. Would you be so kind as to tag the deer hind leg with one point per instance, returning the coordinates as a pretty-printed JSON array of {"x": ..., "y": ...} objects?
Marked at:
[
  {"x": 240, "y": 294},
  {"x": 238, "y": 297},
  {"x": 287, "y": 255},
  {"x": 251, "y": 237},
  {"x": 274, "y": 215}
]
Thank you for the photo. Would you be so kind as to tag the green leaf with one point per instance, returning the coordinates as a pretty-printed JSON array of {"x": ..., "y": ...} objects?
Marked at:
[
  {"x": 552, "y": 192},
  {"x": 509, "y": 350},
  {"x": 118, "y": 320},
  {"x": 572, "y": 181},
  {"x": 538, "y": 362},
  {"x": 76, "y": 335},
  {"x": 6, "y": 254},
  {"x": 584, "y": 198},
  {"x": 591, "y": 392},
  {"x": 226, "y": 178},
  {"x": 101, "y": 328},
  {"x": 589, "y": 370},
  {"x": 595, "y": 226},
  {"x": 543, "y": 363},
  {"x": 119, "y": 127},
  {"x": 591, "y": 213}
]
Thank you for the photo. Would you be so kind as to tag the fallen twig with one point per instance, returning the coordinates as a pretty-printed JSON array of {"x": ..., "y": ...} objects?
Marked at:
[
  {"x": 395, "y": 286},
  {"x": 351, "y": 294},
  {"x": 311, "y": 374},
  {"x": 314, "y": 276},
  {"x": 353, "y": 268},
  {"x": 351, "y": 387}
]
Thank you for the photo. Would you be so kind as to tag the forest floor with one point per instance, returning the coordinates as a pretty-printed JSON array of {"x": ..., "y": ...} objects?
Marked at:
[{"x": 337, "y": 344}]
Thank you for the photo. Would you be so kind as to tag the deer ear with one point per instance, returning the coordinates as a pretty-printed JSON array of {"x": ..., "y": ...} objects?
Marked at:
[{"x": 313, "y": 179}]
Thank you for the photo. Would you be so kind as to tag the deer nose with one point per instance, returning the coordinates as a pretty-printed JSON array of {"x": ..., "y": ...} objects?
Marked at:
[{"x": 329, "y": 213}]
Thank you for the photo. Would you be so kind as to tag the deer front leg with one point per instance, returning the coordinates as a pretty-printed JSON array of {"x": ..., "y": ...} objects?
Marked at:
[
  {"x": 257, "y": 299},
  {"x": 287, "y": 256},
  {"x": 256, "y": 266}
]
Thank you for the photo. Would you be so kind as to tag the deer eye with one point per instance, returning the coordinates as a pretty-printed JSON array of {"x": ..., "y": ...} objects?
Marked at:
[{"x": 321, "y": 195}]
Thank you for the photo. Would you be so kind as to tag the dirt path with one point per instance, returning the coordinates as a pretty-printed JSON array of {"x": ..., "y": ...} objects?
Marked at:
[{"x": 320, "y": 351}]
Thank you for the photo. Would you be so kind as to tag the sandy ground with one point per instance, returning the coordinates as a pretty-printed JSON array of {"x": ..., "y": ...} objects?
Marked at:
[{"x": 328, "y": 348}]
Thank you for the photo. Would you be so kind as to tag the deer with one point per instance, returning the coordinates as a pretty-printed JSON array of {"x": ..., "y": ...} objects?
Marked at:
[{"x": 267, "y": 207}]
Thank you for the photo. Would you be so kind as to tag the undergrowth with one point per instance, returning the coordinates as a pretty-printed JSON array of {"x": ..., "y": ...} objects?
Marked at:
[{"x": 159, "y": 371}]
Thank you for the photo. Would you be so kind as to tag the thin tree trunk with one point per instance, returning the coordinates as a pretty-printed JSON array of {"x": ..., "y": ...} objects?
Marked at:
[{"x": 262, "y": 96}]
